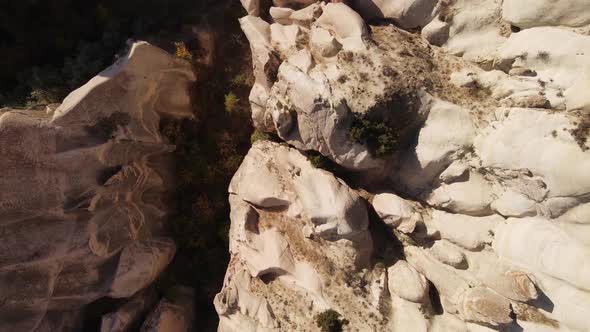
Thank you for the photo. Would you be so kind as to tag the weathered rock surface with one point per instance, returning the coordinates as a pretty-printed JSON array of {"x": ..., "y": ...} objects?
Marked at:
[
  {"x": 81, "y": 193},
  {"x": 479, "y": 220}
]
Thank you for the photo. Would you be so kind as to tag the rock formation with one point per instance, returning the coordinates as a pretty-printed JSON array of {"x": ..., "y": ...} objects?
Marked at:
[
  {"x": 476, "y": 221},
  {"x": 82, "y": 195},
  {"x": 455, "y": 194}
]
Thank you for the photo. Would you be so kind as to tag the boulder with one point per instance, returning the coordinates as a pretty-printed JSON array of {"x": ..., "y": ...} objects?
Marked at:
[
  {"x": 139, "y": 265},
  {"x": 397, "y": 212},
  {"x": 407, "y": 283},
  {"x": 533, "y": 13},
  {"x": 348, "y": 26},
  {"x": 409, "y": 14}
]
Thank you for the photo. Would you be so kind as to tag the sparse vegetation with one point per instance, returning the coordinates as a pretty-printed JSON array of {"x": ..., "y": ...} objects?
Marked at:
[
  {"x": 317, "y": 161},
  {"x": 329, "y": 321},
  {"x": 582, "y": 132},
  {"x": 259, "y": 135},
  {"x": 44, "y": 59},
  {"x": 380, "y": 139},
  {"x": 543, "y": 56},
  {"x": 232, "y": 102},
  {"x": 182, "y": 51}
]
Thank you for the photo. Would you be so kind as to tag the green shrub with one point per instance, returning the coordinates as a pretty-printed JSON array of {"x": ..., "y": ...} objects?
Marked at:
[
  {"x": 232, "y": 102},
  {"x": 258, "y": 135},
  {"x": 380, "y": 139},
  {"x": 242, "y": 79},
  {"x": 329, "y": 321},
  {"x": 181, "y": 51},
  {"x": 318, "y": 160}
]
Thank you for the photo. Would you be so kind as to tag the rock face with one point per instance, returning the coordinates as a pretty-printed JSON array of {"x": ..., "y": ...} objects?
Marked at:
[
  {"x": 82, "y": 188},
  {"x": 478, "y": 220}
]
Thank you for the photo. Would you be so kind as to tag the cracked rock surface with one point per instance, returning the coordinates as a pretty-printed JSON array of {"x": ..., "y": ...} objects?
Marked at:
[
  {"x": 83, "y": 192},
  {"x": 478, "y": 221}
]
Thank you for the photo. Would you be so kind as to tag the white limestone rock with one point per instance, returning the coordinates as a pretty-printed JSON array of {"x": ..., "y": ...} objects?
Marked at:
[
  {"x": 475, "y": 31},
  {"x": 265, "y": 62},
  {"x": 576, "y": 97},
  {"x": 323, "y": 43},
  {"x": 348, "y": 26},
  {"x": 559, "y": 161},
  {"x": 494, "y": 111},
  {"x": 540, "y": 246},
  {"x": 397, "y": 212},
  {"x": 72, "y": 219},
  {"x": 303, "y": 60},
  {"x": 303, "y": 17},
  {"x": 436, "y": 32},
  {"x": 448, "y": 253},
  {"x": 472, "y": 197},
  {"x": 447, "y": 132},
  {"x": 407, "y": 283},
  {"x": 252, "y": 7},
  {"x": 239, "y": 310},
  {"x": 533, "y": 13},
  {"x": 514, "y": 204},
  {"x": 465, "y": 231},
  {"x": 408, "y": 14},
  {"x": 555, "y": 54},
  {"x": 454, "y": 172},
  {"x": 483, "y": 305},
  {"x": 284, "y": 37},
  {"x": 289, "y": 180}
]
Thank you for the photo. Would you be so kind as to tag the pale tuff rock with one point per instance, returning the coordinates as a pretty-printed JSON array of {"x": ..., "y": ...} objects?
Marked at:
[
  {"x": 348, "y": 27},
  {"x": 407, "y": 283},
  {"x": 265, "y": 63},
  {"x": 397, "y": 212},
  {"x": 465, "y": 231},
  {"x": 475, "y": 29},
  {"x": 575, "y": 96},
  {"x": 239, "y": 309},
  {"x": 131, "y": 277},
  {"x": 514, "y": 204},
  {"x": 491, "y": 233},
  {"x": 251, "y": 6},
  {"x": 267, "y": 241},
  {"x": 288, "y": 181},
  {"x": 323, "y": 43},
  {"x": 294, "y": 4},
  {"x": 302, "y": 17},
  {"x": 436, "y": 32},
  {"x": 540, "y": 246},
  {"x": 284, "y": 38},
  {"x": 558, "y": 160},
  {"x": 532, "y": 13},
  {"x": 558, "y": 64},
  {"x": 408, "y": 14},
  {"x": 128, "y": 314},
  {"x": 447, "y": 133},
  {"x": 172, "y": 315},
  {"x": 75, "y": 222},
  {"x": 448, "y": 253}
]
